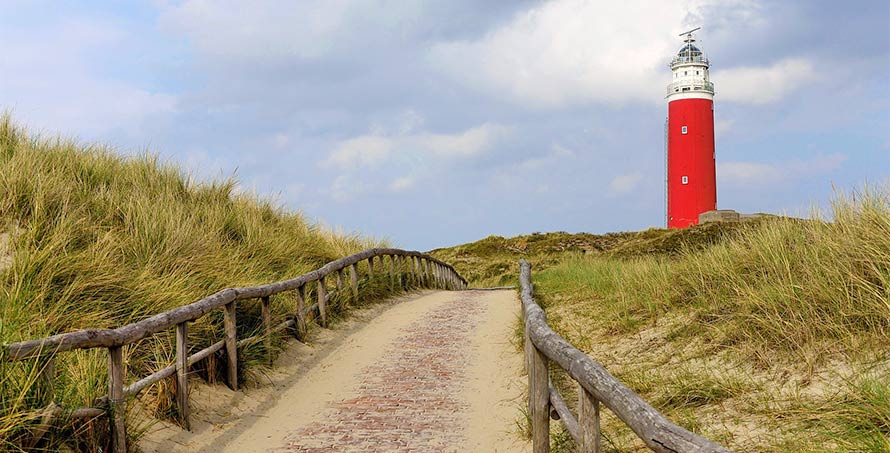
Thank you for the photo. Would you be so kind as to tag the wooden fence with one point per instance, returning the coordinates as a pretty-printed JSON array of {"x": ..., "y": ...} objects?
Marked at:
[
  {"x": 595, "y": 386},
  {"x": 418, "y": 268}
]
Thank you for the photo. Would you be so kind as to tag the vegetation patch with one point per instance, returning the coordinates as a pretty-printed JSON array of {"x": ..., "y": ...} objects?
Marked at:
[
  {"x": 764, "y": 336},
  {"x": 91, "y": 239}
]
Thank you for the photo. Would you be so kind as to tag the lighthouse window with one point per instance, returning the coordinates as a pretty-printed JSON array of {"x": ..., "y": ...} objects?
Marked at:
[
  {"x": 683, "y": 131},
  {"x": 686, "y": 180},
  {"x": 685, "y": 72}
]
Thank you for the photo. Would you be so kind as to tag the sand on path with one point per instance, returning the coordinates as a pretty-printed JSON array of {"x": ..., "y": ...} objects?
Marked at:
[{"x": 434, "y": 372}]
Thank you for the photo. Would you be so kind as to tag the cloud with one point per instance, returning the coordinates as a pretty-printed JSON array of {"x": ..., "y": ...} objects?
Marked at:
[
  {"x": 467, "y": 143},
  {"x": 762, "y": 85},
  {"x": 402, "y": 184},
  {"x": 757, "y": 174},
  {"x": 567, "y": 52},
  {"x": 369, "y": 151},
  {"x": 52, "y": 81},
  {"x": 624, "y": 183},
  {"x": 364, "y": 151}
]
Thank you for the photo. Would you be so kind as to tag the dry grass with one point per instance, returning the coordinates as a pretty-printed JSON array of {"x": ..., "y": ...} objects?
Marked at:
[
  {"x": 94, "y": 240},
  {"x": 772, "y": 340}
]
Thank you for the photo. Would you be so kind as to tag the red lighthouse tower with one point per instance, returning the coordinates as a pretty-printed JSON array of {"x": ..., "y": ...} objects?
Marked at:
[{"x": 691, "y": 174}]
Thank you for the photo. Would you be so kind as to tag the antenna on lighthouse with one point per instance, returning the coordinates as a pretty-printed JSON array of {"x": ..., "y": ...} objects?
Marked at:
[{"x": 689, "y": 33}]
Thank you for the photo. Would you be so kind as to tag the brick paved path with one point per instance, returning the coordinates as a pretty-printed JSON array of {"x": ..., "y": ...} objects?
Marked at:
[{"x": 407, "y": 400}]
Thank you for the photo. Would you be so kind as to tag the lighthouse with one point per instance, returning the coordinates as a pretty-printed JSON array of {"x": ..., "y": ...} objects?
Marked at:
[{"x": 691, "y": 173}]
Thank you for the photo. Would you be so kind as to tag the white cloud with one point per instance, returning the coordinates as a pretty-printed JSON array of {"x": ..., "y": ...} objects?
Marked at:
[
  {"x": 762, "y": 84},
  {"x": 363, "y": 151},
  {"x": 572, "y": 51},
  {"x": 624, "y": 183},
  {"x": 50, "y": 82},
  {"x": 369, "y": 151},
  {"x": 740, "y": 173},
  {"x": 402, "y": 184},
  {"x": 467, "y": 143},
  {"x": 757, "y": 174}
]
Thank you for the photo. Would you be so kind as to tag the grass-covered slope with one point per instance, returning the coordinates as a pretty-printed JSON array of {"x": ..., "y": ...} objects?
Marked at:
[
  {"x": 493, "y": 261},
  {"x": 89, "y": 239},
  {"x": 769, "y": 336},
  {"x": 776, "y": 339}
]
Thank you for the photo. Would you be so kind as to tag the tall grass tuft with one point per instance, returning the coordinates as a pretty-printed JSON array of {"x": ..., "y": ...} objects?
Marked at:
[
  {"x": 90, "y": 239},
  {"x": 785, "y": 323}
]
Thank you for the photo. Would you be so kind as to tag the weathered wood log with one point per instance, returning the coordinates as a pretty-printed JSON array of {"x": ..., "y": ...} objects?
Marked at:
[
  {"x": 589, "y": 422},
  {"x": 301, "y": 314},
  {"x": 321, "y": 292},
  {"x": 95, "y": 338},
  {"x": 371, "y": 267},
  {"x": 339, "y": 280},
  {"x": 539, "y": 397},
  {"x": 182, "y": 378},
  {"x": 564, "y": 415},
  {"x": 312, "y": 308},
  {"x": 206, "y": 352},
  {"x": 656, "y": 431},
  {"x": 140, "y": 385},
  {"x": 116, "y": 402},
  {"x": 434, "y": 275},
  {"x": 267, "y": 328},
  {"x": 353, "y": 281},
  {"x": 231, "y": 346},
  {"x": 46, "y": 384},
  {"x": 415, "y": 271}
]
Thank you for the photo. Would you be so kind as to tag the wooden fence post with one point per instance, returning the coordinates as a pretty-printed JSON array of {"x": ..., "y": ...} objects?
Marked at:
[
  {"x": 116, "y": 399},
  {"x": 588, "y": 422},
  {"x": 413, "y": 265},
  {"x": 353, "y": 281},
  {"x": 392, "y": 272},
  {"x": 301, "y": 307},
  {"x": 371, "y": 267},
  {"x": 267, "y": 328},
  {"x": 538, "y": 395},
  {"x": 182, "y": 368},
  {"x": 231, "y": 346},
  {"x": 339, "y": 280},
  {"x": 47, "y": 380},
  {"x": 322, "y": 294}
]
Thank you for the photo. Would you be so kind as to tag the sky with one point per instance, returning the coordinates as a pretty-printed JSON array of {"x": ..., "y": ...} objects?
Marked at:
[{"x": 437, "y": 123}]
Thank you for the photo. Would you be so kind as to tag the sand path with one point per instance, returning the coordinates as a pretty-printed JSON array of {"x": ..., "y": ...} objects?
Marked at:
[{"x": 434, "y": 372}]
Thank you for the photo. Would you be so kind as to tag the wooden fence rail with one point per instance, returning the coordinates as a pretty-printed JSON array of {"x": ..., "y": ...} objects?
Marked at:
[
  {"x": 596, "y": 386},
  {"x": 420, "y": 270}
]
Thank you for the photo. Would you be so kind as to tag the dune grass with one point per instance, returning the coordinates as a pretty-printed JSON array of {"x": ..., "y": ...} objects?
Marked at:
[
  {"x": 492, "y": 261},
  {"x": 774, "y": 339},
  {"x": 95, "y": 240}
]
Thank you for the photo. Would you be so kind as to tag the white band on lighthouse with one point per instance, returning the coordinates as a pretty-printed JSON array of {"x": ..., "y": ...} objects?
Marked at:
[{"x": 691, "y": 79}]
